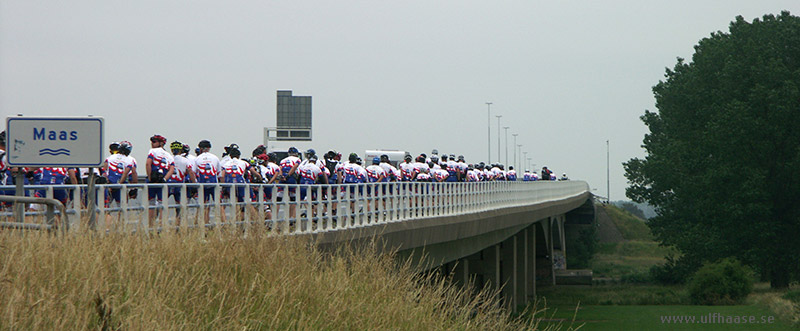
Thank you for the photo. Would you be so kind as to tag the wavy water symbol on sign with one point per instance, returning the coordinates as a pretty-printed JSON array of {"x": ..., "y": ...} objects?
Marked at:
[{"x": 47, "y": 151}]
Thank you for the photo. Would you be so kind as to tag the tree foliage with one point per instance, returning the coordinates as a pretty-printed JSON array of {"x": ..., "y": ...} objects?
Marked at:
[{"x": 723, "y": 152}]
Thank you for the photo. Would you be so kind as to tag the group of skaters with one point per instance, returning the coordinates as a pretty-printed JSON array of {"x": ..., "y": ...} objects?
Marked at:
[{"x": 174, "y": 163}]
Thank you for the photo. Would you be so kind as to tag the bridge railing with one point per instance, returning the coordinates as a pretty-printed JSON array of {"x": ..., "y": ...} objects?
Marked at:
[{"x": 284, "y": 208}]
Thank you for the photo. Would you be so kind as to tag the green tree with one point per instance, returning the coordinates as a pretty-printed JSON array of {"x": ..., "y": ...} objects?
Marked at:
[{"x": 723, "y": 152}]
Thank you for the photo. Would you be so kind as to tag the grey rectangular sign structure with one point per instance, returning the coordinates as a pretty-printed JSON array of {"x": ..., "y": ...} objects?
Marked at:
[
  {"x": 54, "y": 141},
  {"x": 293, "y": 117}
]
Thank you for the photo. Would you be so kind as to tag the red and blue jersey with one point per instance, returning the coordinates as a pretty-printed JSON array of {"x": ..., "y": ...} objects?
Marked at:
[
  {"x": 161, "y": 160},
  {"x": 53, "y": 176},
  {"x": 234, "y": 170}
]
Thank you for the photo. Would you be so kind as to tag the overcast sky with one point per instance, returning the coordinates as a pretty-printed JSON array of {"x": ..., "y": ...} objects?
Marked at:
[{"x": 408, "y": 75}]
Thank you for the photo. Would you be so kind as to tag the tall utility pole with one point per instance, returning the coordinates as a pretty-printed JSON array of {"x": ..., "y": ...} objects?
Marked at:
[
  {"x": 608, "y": 172},
  {"x": 506, "y": 131},
  {"x": 489, "y": 132},
  {"x": 525, "y": 157},
  {"x": 498, "y": 137},
  {"x": 515, "y": 149},
  {"x": 515, "y": 156}
]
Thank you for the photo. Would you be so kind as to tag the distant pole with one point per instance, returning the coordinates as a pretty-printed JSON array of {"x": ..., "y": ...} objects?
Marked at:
[
  {"x": 519, "y": 147},
  {"x": 515, "y": 149},
  {"x": 506, "y": 130},
  {"x": 608, "y": 172},
  {"x": 524, "y": 158},
  {"x": 498, "y": 137},
  {"x": 489, "y": 132}
]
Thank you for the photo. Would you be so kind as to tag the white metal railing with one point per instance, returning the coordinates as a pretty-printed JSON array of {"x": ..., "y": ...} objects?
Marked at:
[{"x": 305, "y": 209}]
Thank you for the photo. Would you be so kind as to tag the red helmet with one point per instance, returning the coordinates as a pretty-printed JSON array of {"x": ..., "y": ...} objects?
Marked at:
[{"x": 158, "y": 138}]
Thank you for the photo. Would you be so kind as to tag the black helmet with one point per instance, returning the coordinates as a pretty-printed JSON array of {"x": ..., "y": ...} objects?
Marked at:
[
  {"x": 204, "y": 144},
  {"x": 461, "y": 157},
  {"x": 185, "y": 148},
  {"x": 330, "y": 155},
  {"x": 272, "y": 156},
  {"x": 384, "y": 158},
  {"x": 125, "y": 147},
  {"x": 353, "y": 157},
  {"x": 234, "y": 152},
  {"x": 293, "y": 150},
  {"x": 408, "y": 157},
  {"x": 259, "y": 150}
]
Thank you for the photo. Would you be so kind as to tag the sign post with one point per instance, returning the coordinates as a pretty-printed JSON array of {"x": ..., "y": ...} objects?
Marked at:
[{"x": 70, "y": 142}]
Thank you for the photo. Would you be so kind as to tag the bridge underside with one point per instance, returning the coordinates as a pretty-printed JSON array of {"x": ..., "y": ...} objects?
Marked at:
[{"x": 515, "y": 248}]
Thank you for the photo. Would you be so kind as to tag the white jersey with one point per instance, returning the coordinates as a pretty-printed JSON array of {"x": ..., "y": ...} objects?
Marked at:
[
  {"x": 269, "y": 171},
  {"x": 207, "y": 165},
  {"x": 374, "y": 173},
  {"x": 224, "y": 160},
  {"x": 439, "y": 174},
  {"x": 421, "y": 168},
  {"x": 390, "y": 171},
  {"x": 182, "y": 165},
  {"x": 407, "y": 170},
  {"x": 309, "y": 172},
  {"x": 191, "y": 159}
]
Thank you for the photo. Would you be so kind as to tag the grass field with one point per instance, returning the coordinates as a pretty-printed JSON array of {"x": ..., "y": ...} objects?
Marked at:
[
  {"x": 628, "y": 300},
  {"x": 224, "y": 281}
]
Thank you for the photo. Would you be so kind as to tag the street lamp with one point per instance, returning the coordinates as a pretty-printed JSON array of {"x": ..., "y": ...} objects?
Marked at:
[
  {"x": 515, "y": 150},
  {"x": 489, "y": 131},
  {"x": 506, "y": 130},
  {"x": 498, "y": 138},
  {"x": 525, "y": 157},
  {"x": 515, "y": 154}
]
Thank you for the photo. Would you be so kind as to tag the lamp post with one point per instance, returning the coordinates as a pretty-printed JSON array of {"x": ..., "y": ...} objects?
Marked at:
[
  {"x": 489, "y": 131},
  {"x": 498, "y": 137},
  {"x": 515, "y": 149},
  {"x": 525, "y": 157},
  {"x": 506, "y": 131},
  {"x": 515, "y": 155}
]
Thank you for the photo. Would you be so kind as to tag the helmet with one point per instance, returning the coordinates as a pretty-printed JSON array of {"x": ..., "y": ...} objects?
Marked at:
[
  {"x": 384, "y": 158},
  {"x": 3, "y": 138},
  {"x": 330, "y": 155},
  {"x": 158, "y": 138},
  {"x": 461, "y": 157},
  {"x": 311, "y": 151},
  {"x": 197, "y": 151},
  {"x": 272, "y": 156},
  {"x": 176, "y": 145},
  {"x": 435, "y": 151},
  {"x": 423, "y": 155},
  {"x": 358, "y": 160},
  {"x": 114, "y": 146},
  {"x": 452, "y": 156},
  {"x": 125, "y": 147},
  {"x": 376, "y": 160},
  {"x": 353, "y": 157},
  {"x": 420, "y": 159},
  {"x": 527, "y": 170},
  {"x": 234, "y": 152},
  {"x": 544, "y": 167},
  {"x": 185, "y": 148},
  {"x": 408, "y": 157},
  {"x": 293, "y": 150},
  {"x": 262, "y": 157},
  {"x": 204, "y": 144},
  {"x": 510, "y": 167},
  {"x": 435, "y": 158},
  {"x": 444, "y": 157},
  {"x": 312, "y": 158},
  {"x": 259, "y": 150}
]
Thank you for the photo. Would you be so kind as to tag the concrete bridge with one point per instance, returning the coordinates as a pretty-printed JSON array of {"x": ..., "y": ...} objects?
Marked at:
[
  {"x": 513, "y": 237},
  {"x": 502, "y": 234}
]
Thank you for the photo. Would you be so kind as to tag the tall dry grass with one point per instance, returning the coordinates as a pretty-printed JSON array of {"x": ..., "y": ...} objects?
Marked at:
[{"x": 224, "y": 281}]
